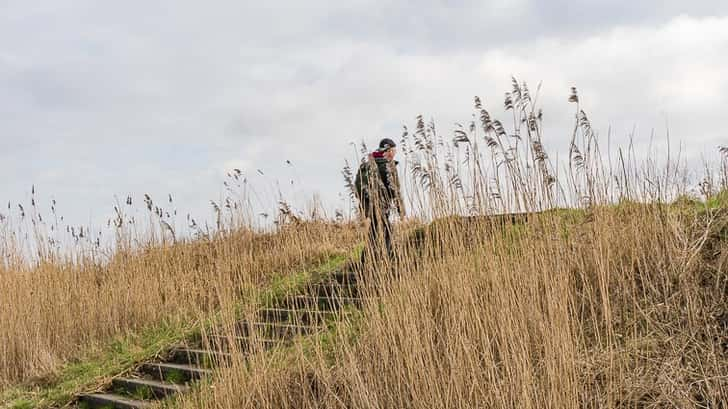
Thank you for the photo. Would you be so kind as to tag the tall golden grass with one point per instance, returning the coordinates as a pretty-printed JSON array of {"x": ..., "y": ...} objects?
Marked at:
[
  {"x": 611, "y": 294},
  {"x": 614, "y": 308},
  {"x": 54, "y": 311}
]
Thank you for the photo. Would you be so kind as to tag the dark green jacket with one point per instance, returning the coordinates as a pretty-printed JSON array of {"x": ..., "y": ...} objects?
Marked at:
[{"x": 377, "y": 181}]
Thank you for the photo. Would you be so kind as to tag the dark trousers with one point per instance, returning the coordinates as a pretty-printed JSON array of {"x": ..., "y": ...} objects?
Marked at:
[{"x": 379, "y": 239}]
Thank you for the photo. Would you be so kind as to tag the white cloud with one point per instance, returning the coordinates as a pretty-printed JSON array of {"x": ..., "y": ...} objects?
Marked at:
[{"x": 633, "y": 75}]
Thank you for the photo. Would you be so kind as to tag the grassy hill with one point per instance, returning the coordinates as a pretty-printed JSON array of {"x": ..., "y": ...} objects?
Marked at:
[
  {"x": 607, "y": 288},
  {"x": 621, "y": 306},
  {"x": 614, "y": 306}
]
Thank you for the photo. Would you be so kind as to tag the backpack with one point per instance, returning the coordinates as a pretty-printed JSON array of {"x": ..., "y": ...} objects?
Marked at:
[
  {"x": 380, "y": 180},
  {"x": 362, "y": 181}
]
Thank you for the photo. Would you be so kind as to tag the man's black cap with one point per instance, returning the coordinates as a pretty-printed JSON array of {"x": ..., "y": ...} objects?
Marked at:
[{"x": 386, "y": 143}]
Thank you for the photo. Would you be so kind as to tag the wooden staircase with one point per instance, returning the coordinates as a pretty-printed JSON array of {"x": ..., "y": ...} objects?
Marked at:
[{"x": 306, "y": 313}]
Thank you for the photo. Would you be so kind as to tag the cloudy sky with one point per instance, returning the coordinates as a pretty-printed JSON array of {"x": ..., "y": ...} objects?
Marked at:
[{"x": 114, "y": 98}]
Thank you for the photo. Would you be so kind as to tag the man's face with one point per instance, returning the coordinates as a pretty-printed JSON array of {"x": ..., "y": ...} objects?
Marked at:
[{"x": 389, "y": 154}]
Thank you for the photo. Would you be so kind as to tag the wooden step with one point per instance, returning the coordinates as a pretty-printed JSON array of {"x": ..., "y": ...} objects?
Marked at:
[
  {"x": 243, "y": 343},
  {"x": 204, "y": 358},
  {"x": 299, "y": 316},
  {"x": 333, "y": 289},
  {"x": 276, "y": 329},
  {"x": 175, "y": 373},
  {"x": 344, "y": 278},
  {"x": 143, "y": 387},
  {"x": 108, "y": 400},
  {"x": 277, "y": 326},
  {"x": 317, "y": 303}
]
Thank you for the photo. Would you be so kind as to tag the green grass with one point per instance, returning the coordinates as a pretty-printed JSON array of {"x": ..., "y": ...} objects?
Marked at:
[
  {"x": 22, "y": 404},
  {"x": 141, "y": 393},
  {"x": 174, "y": 376},
  {"x": 283, "y": 285},
  {"x": 97, "y": 368},
  {"x": 717, "y": 201}
]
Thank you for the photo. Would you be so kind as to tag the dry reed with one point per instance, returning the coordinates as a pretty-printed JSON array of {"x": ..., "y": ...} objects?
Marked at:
[{"x": 611, "y": 294}]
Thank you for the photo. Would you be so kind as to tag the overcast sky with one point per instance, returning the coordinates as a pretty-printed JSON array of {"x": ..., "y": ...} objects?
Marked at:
[{"x": 113, "y": 98}]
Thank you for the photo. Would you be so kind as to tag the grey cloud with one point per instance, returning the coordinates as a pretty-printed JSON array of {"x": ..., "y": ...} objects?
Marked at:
[{"x": 157, "y": 97}]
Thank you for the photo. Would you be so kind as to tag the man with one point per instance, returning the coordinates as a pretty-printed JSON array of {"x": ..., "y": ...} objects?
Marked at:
[{"x": 378, "y": 190}]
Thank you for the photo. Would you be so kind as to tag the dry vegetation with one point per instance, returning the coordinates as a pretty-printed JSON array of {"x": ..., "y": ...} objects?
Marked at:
[
  {"x": 613, "y": 292},
  {"x": 619, "y": 309},
  {"x": 52, "y": 311}
]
